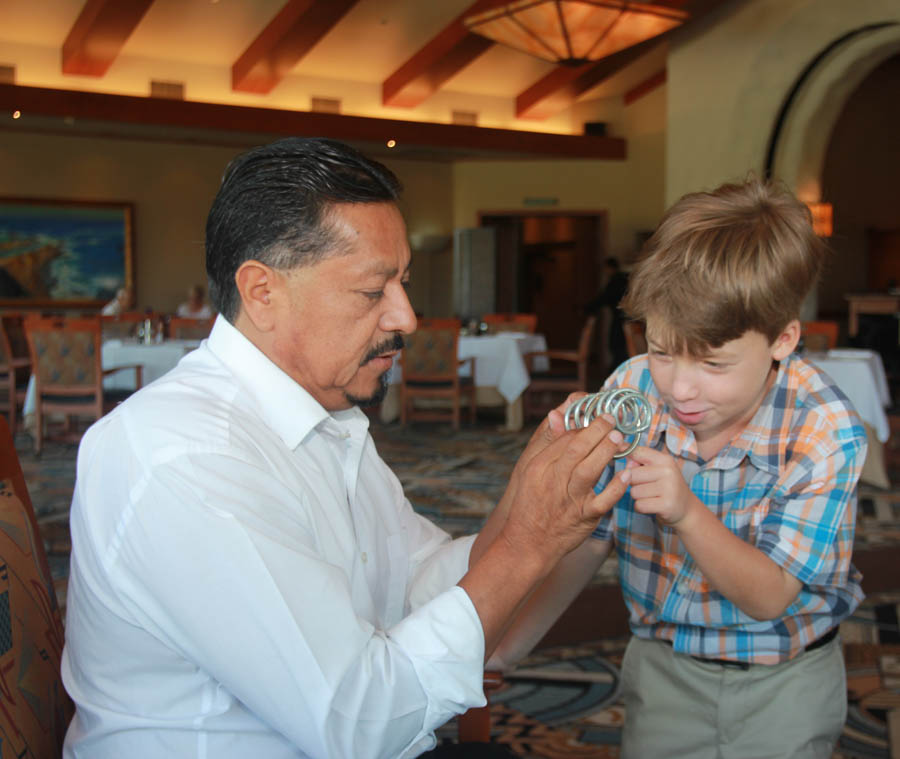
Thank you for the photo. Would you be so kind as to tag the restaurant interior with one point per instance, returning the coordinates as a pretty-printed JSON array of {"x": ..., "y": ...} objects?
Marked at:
[{"x": 527, "y": 163}]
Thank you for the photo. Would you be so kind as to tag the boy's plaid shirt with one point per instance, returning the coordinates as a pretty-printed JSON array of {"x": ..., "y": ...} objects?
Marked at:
[{"x": 787, "y": 485}]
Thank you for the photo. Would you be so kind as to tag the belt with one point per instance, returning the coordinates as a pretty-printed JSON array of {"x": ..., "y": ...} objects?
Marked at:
[{"x": 745, "y": 665}]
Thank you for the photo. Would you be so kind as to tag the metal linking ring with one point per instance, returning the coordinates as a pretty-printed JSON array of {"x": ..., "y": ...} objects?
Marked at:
[{"x": 630, "y": 409}]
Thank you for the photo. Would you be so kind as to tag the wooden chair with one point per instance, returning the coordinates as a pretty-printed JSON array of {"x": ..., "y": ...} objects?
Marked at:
[
  {"x": 36, "y": 708},
  {"x": 430, "y": 367},
  {"x": 572, "y": 377},
  {"x": 819, "y": 336},
  {"x": 474, "y": 725},
  {"x": 188, "y": 328},
  {"x": 67, "y": 371},
  {"x": 15, "y": 368},
  {"x": 510, "y": 322},
  {"x": 635, "y": 339}
]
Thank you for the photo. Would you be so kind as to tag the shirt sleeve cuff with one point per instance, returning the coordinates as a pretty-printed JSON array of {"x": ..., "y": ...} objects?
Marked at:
[{"x": 445, "y": 643}]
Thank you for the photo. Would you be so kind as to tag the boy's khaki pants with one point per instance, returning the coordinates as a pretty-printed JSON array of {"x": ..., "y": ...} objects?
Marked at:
[{"x": 679, "y": 708}]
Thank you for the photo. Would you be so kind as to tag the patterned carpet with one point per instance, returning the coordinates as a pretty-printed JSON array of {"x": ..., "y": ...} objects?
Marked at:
[{"x": 455, "y": 479}]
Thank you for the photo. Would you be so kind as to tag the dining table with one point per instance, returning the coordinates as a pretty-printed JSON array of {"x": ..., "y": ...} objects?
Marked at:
[
  {"x": 501, "y": 375},
  {"x": 860, "y": 375},
  {"x": 155, "y": 359}
]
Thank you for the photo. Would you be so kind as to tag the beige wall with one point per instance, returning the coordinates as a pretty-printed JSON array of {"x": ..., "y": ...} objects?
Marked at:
[
  {"x": 728, "y": 77},
  {"x": 171, "y": 186},
  {"x": 727, "y": 81},
  {"x": 630, "y": 191}
]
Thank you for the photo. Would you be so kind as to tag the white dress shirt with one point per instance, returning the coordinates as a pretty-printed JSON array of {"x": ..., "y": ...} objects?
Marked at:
[{"x": 248, "y": 580}]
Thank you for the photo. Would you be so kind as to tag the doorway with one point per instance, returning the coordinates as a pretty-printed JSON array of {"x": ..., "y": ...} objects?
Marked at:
[{"x": 549, "y": 264}]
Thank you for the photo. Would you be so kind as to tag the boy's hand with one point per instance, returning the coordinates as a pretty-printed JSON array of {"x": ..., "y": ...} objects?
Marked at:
[{"x": 658, "y": 487}]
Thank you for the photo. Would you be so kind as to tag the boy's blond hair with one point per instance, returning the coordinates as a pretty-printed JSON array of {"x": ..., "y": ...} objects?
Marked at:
[{"x": 742, "y": 257}]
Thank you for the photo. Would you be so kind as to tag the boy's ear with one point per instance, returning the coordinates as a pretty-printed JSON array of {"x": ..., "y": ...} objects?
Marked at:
[{"x": 786, "y": 341}]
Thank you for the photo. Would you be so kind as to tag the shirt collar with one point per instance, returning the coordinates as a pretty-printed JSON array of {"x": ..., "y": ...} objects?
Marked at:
[{"x": 285, "y": 406}]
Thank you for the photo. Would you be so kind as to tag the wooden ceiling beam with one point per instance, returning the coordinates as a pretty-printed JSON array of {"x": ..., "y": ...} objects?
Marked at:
[
  {"x": 443, "y": 56},
  {"x": 266, "y": 123},
  {"x": 642, "y": 88},
  {"x": 560, "y": 88},
  {"x": 290, "y": 35},
  {"x": 98, "y": 34}
]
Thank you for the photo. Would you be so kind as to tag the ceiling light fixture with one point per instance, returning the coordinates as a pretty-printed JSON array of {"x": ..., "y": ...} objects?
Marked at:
[
  {"x": 391, "y": 143},
  {"x": 573, "y": 32},
  {"x": 16, "y": 114}
]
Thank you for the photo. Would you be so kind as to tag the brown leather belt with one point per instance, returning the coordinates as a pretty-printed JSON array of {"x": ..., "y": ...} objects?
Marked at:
[{"x": 745, "y": 665}]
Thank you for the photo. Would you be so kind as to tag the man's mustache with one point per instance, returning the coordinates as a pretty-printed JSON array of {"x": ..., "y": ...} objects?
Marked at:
[{"x": 394, "y": 343}]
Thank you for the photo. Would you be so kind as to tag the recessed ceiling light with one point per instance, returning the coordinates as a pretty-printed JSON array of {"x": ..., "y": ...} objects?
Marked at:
[
  {"x": 391, "y": 143},
  {"x": 16, "y": 114}
]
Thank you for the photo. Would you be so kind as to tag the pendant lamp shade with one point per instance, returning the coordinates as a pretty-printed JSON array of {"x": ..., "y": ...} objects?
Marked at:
[{"x": 573, "y": 32}]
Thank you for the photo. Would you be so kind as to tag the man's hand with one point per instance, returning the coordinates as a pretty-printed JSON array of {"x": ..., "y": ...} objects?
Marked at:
[
  {"x": 552, "y": 506},
  {"x": 548, "y": 509},
  {"x": 658, "y": 487}
]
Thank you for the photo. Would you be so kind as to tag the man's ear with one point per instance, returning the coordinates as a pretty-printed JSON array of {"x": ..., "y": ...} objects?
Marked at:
[
  {"x": 786, "y": 341},
  {"x": 255, "y": 283}
]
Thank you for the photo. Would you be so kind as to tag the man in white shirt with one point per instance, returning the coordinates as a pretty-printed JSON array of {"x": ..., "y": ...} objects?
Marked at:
[{"x": 247, "y": 578}]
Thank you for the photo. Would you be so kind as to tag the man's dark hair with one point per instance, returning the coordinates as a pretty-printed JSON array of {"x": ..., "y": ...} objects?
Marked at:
[{"x": 273, "y": 207}]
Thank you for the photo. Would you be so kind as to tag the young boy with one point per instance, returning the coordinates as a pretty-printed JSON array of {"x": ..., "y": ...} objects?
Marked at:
[{"x": 734, "y": 538}]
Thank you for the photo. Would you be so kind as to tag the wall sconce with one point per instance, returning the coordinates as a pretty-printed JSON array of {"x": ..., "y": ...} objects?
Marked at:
[{"x": 822, "y": 214}]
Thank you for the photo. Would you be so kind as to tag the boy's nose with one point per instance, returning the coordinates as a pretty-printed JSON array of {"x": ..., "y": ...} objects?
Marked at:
[{"x": 684, "y": 387}]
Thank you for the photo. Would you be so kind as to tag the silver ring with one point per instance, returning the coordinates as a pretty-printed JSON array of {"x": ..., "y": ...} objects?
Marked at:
[{"x": 630, "y": 409}]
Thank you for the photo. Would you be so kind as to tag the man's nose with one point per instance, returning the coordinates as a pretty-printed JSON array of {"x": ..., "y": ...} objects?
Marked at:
[{"x": 400, "y": 316}]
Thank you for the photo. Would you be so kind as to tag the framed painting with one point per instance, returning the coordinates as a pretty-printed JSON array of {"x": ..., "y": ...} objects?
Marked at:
[{"x": 64, "y": 253}]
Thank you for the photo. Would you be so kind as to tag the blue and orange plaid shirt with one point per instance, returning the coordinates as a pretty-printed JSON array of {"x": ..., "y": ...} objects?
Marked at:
[{"x": 786, "y": 485}]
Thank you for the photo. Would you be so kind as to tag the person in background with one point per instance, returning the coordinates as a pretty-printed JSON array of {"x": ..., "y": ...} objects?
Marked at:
[
  {"x": 735, "y": 537},
  {"x": 195, "y": 307},
  {"x": 123, "y": 301},
  {"x": 247, "y": 576},
  {"x": 610, "y": 297}
]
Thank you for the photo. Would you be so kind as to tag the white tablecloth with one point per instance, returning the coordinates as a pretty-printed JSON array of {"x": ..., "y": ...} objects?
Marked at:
[
  {"x": 498, "y": 361},
  {"x": 860, "y": 375},
  {"x": 499, "y": 369},
  {"x": 157, "y": 359}
]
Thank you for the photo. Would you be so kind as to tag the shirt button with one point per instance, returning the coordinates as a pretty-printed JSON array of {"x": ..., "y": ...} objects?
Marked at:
[{"x": 364, "y": 557}]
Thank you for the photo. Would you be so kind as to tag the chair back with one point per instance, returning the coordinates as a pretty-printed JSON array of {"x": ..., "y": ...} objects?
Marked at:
[
  {"x": 36, "y": 708},
  {"x": 65, "y": 354},
  {"x": 635, "y": 340},
  {"x": 431, "y": 351},
  {"x": 13, "y": 326},
  {"x": 189, "y": 328},
  {"x": 819, "y": 336},
  {"x": 510, "y": 322}
]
